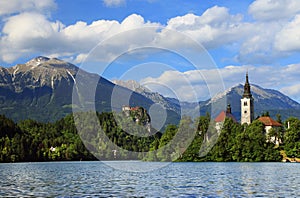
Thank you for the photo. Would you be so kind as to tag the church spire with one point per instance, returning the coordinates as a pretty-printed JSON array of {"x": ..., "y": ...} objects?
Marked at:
[
  {"x": 247, "y": 91},
  {"x": 228, "y": 110},
  {"x": 247, "y": 104}
]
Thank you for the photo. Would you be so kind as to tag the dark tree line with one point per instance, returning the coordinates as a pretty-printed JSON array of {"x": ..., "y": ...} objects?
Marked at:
[
  {"x": 234, "y": 143},
  {"x": 33, "y": 141},
  {"x": 30, "y": 140},
  {"x": 108, "y": 136}
]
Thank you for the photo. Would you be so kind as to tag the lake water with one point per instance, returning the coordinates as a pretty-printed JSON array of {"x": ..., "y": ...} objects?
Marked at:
[{"x": 93, "y": 179}]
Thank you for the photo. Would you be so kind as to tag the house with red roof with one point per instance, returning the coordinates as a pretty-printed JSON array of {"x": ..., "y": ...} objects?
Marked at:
[
  {"x": 271, "y": 124},
  {"x": 222, "y": 116}
]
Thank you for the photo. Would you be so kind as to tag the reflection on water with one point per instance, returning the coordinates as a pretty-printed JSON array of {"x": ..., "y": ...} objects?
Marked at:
[{"x": 81, "y": 179}]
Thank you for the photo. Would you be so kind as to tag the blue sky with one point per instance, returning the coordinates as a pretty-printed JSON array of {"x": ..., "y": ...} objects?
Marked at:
[{"x": 172, "y": 47}]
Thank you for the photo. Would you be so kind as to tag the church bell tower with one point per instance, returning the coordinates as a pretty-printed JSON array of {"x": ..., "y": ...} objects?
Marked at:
[{"x": 247, "y": 104}]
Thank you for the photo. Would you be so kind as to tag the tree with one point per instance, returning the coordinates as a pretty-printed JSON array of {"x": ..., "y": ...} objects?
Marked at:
[
  {"x": 292, "y": 138},
  {"x": 224, "y": 149}
]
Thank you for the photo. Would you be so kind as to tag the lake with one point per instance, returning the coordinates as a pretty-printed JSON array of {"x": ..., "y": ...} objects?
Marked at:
[{"x": 124, "y": 179}]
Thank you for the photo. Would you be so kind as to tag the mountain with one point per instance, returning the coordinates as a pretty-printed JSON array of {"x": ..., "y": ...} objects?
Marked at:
[
  {"x": 264, "y": 100},
  {"x": 46, "y": 89},
  {"x": 132, "y": 85},
  {"x": 171, "y": 104},
  {"x": 269, "y": 100}
]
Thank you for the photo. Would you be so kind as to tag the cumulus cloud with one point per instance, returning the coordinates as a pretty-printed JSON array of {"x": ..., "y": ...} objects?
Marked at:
[
  {"x": 259, "y": 46},
  {"x": 18, "y": 6},
  {"x": 34, "y": 33},
  {"x": 114, "y": 3},
  {"x": 292, "y": 91},
  {"x": 28, "y": 32},
  {"x": 216, "y": 27},
  {"x": 259, "y": 41},
  {"x": 288, "y": 38},
  {"x": 178, "y": 85},
  {"x": 274, "y": 9},
  {"x": 273, "y": 34},
  {"x": 208, "y": 82},
  {"x": 213, "y": 28}
]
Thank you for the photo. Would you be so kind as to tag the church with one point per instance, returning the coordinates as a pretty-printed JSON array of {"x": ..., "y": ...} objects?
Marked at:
[
  {"x": 247, "y": 104},
  {"x": 247, "y": 113},
  {"x": 247, "y": 108}
]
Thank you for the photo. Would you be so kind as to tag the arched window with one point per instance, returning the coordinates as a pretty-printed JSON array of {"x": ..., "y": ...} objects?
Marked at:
[{"x": 245, "y": 103}]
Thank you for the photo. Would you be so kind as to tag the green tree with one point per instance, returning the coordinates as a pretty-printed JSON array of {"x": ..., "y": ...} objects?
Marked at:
[
  {"x": 292, "y": 138},
  {"x": 224, "y": 149}
]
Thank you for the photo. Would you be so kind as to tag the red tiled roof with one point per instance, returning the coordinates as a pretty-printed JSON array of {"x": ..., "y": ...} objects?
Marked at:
[
  {"x": 267, "y": 121},
  {"x": 221, "y": 117},
  {"x": 134, "y": 108}
]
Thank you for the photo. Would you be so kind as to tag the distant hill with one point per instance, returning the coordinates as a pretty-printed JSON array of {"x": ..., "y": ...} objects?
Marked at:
[
  {"x": 169, "y": 103},
  {"x": 264, "y": 100},
  {"x": 41, "y": 89},
  {"x": 269, "y": 100}
]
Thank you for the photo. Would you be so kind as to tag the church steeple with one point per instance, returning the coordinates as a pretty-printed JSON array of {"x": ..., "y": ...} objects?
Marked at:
[
  {"x": 228, "y": 110},
  {"x": 247, "y": 104},
  {"x": 247, "y": 91}
]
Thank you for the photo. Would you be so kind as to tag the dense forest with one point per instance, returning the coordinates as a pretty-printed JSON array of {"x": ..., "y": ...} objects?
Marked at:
[{"x": 109, "y": 136}]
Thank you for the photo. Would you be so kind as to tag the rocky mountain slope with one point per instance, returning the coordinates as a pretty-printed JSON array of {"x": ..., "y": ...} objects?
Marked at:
[
  {"x": 42, "y": 89},
  {"x": 168, "y": 103},
  {"x": 264, "y": 100}
]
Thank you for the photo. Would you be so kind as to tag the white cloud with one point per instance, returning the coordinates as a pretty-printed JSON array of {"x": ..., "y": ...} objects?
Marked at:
[
  {"x": 191, "y": 85},
  {"x": 34, "y": 33},
  {"x": 213, "y": 28},
  {"x": 185, "y": 84},
  {"x": 114, "y": 3},
  {"x": 266, "y": 10},
  {"x": 258, "y": 47},
  {"x": 216, "y": 27},
  {"x": 28, "y": 32},
  {"x": 261, "y": 41},
  {"x": 17, "y": 6},
  {"x": 288, "y": 38},
  {"x": 20, "y": 29},
  {"x": 292, "y": 91}
]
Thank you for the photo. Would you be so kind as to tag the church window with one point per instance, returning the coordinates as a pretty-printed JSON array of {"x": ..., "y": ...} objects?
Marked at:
[
  {"x": 245, "y": 111},
  {"x": 245, "y": 103}
]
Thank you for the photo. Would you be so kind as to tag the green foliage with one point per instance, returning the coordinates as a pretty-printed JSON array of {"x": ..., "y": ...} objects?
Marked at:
[
  {"x": 30, "y": 140},
  {"x": 111, "y": 136},
  {"x": 224, "y": 150},
  {"x": 243, "y": 143},
  {"x": 267, "y": 114},
  {"x": 292, "y": 138},
  {"x": 192, "y": 152}
]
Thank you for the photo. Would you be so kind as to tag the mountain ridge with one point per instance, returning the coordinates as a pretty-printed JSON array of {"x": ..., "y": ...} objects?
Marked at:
[
  {"x": 264, "y": 100},
  {"x": 42, "y": 89}
]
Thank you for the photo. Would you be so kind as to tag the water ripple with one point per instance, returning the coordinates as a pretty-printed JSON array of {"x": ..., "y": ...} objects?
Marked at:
[{"x": 96, "y": 179}]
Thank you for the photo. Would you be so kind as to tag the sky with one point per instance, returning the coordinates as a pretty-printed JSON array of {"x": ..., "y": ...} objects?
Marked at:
[{"x": 189, "y": 49}]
